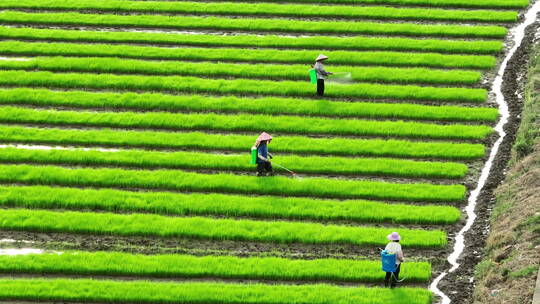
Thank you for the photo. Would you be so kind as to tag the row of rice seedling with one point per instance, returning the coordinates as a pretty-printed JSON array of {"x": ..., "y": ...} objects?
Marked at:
[
  {"x": 230, "y": 104},
  {"x": 85, "y": 290},
  {"x": 209, "y": 228},
  {"x": 242, "y": 122},
  {"x": 187, "y": 266},
  {"x": 267, "y": 9},
  {"x": 263, "y": 71},
  {"x": 205, "y": 204},
  {"x": 252, "y": 24},
  {"x": 269, "y": 41},
  {"x": 167, "y": 266},
  {"x": 235, "y": 162},
  {"x": 235, "y": 86},
  {"x": 234, "y": 142},
  {"x": 503, "y": 4},
  {"x": 228, "y": 183},
  {"x": 238, "y": 55}
]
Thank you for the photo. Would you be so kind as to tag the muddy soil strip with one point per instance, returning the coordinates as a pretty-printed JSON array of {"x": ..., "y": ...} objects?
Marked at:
[
  {"x": 256, "y": 97},
  {"x": 174, "y": 190},
  {"x": 350, "y": 223},
  {"x": 284, "y": 16},
  {"x": 248, "y": 133},
  {"x": 204, "y": 279},
  {"x": 117, "y": 110},
  {"x": 426, "y": 5},
  {"x": 252, "y": 95},
  {"x": 198, "y": 247},
  {"x": 29, "y": 55},
  {"x": 103, "y": 108},
  {"x": 474, "y": 165},
  {"x": 389, "y": 178},
  {"x": 450, "y": 229},
  {"x": 202, "y": 75},
  {"x": 143, "y": 42},
  {"x": 158, "y": 29}
]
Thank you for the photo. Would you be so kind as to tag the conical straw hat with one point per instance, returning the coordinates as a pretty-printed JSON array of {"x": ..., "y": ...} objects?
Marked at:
[
  {"x": 321, "y": 57},
  {"x": 264, "y": 136}
]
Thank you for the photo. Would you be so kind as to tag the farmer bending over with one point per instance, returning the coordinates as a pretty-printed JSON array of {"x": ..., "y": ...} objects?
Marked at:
[
  {"x": 321, "y": 73},
  {"x": 263, "y": 156},
  {"x": 394, "y": 247}
]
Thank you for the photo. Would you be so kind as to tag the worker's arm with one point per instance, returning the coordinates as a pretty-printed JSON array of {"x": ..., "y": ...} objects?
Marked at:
[
  {"x": 270, "y": 155},
  {"x": 400, "y": 256},
  {"x": 262, "y": 157},
  {"x": 321, "y": 70}
]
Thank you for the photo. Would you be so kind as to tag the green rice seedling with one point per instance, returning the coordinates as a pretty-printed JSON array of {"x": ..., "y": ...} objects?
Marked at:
[
  {"x": 85, "y": 290},
  {"x": 267, "y": 105},
  {"x": 215, "y": 69},
  {"x": 237, "y": 55},
  {"x": 270, "y": 207},
  {"x": 232, "y": 142},
  {"x": 228, "y": 183},
  {"x": 503, "y": 4},
  {"x": 235, "y": 162},
  {"x": 268, "y": 41},
  {"x": 243, "y": 122},
  {"x": 209, "y": 228},
  {"x": 267, "y": 9},
  {"x": 253, "y": 24},
  {"x": 236, "y": 86},
  {"x": 187, "y": 266}
]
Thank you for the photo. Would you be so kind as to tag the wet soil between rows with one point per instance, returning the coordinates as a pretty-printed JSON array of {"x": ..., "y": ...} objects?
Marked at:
[
  {"x": 275, "y": 15},
  {"x": 200, "y": 247},
  {"x": 459, "y": 285}
]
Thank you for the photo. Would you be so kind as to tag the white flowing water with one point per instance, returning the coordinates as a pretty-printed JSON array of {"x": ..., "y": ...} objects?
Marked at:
[{"x": 517, "y": 34}]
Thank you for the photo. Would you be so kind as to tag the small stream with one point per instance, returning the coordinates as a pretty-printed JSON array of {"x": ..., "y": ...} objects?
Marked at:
[{"x": 518, "y": 34}]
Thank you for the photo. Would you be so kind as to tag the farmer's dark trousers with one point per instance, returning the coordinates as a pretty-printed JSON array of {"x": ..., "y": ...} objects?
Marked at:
[
  {"x": 264, "y": 166},
  {"x": 320, "y": 87},
  {"x": 394, "y": 277}
]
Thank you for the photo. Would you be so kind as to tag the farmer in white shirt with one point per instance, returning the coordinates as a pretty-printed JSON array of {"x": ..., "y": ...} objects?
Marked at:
[
  {"x": 321, "y": 73},
  {"x": 394, "y": 247}
]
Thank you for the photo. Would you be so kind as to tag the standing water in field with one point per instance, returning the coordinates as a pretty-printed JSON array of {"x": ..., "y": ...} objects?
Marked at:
[
  {"x": 518, "y": 34},
  {"x": 20, "y": 251}
]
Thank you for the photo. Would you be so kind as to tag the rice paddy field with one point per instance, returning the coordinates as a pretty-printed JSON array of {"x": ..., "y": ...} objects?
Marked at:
[{"x": 126, "y": 128}]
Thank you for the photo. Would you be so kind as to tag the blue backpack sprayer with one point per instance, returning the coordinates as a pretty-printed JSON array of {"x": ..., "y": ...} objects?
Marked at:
[{"x": 389, "y": 264}]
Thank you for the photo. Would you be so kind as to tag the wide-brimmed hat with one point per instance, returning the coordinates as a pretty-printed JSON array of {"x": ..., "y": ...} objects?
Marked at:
[
  {"x": 321, "y": 57},
  {"x": 394, "y": 236},
  {"x": 263, "y": 137}
]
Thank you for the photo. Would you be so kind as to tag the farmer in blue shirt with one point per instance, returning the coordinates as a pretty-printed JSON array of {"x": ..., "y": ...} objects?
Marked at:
[{"x": 263, "y": 156}]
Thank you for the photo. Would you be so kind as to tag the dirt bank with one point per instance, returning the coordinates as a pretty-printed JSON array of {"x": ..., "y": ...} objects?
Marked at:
[{"x": 512, "y": 256}]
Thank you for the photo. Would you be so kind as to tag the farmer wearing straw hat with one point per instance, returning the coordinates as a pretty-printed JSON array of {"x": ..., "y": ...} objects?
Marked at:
[
  {"x": 394, "y": 248},
  {"x": 321, "y": 73},
  {"x": 263, "y": 156}
]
